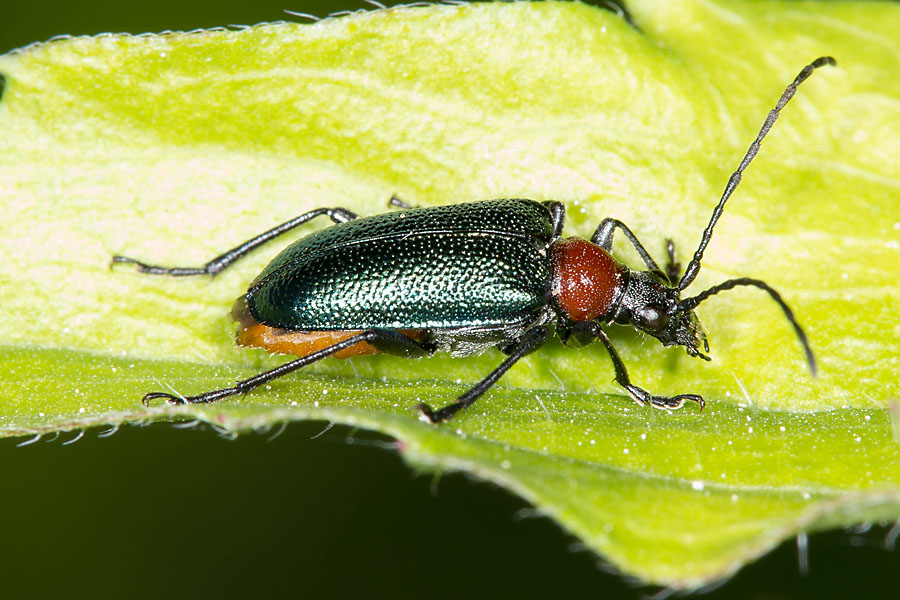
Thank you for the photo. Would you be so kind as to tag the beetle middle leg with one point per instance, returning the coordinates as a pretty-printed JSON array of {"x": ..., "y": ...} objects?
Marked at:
[
  {"x": 388, "y": 341},
  {"x": 224, "y": 260},
  {"x": 530, "y": 341},
  {"x": 640, "y": 395}
]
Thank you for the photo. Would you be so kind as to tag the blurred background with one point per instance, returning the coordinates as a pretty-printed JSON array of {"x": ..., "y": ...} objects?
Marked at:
[{"x": 161, "y": 510}]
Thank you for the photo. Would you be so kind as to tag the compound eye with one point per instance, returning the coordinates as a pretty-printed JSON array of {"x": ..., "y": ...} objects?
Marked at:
[{"x": 651, "y": 318}]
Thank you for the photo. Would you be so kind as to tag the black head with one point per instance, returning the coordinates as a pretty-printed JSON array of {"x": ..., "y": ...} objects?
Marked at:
[{"x": 652, "y": 305}]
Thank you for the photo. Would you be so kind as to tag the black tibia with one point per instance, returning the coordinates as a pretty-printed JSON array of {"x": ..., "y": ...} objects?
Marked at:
[
  {"x": 387, "y": 341},
  {"x": 221, "y": 262},
  {"x": 641, "y": 395},
  {"x": 603, "y": 237},
  {"x": 530, "y": 341}
]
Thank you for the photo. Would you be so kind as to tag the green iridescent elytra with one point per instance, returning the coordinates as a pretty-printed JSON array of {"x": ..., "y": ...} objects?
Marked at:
[{"x": 477, "y": 265}]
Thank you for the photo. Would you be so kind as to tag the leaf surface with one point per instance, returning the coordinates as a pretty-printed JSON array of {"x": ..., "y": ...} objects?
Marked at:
[{"x": 174, "y": 148}]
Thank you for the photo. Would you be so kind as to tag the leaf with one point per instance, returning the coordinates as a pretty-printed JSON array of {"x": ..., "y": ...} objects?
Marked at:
[{"x": 173, "y": 148}]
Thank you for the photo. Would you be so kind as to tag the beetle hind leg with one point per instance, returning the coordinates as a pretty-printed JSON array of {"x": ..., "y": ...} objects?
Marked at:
[{"x": 389, "y": 341}]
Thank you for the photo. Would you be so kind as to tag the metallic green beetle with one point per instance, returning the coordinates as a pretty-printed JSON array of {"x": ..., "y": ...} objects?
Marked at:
[{"x": 464, "y": 278}]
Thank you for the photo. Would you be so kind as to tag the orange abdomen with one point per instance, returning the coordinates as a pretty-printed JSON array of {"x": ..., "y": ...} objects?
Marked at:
[{"x": 252, "y": 333}]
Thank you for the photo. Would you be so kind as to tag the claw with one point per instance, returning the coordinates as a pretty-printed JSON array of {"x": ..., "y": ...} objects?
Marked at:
[
  {"x": 169, "y": 398},
  {"x": 122, "y": 259},
  {"x": 427, "y": 415},
  {"x": 676, "y": 402}
]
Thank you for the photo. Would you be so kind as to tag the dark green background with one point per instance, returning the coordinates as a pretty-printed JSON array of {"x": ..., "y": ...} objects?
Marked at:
[{"x": 159, "y": 511}]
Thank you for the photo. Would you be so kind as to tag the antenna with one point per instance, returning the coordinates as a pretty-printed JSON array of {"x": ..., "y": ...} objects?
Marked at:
[
  {"x": 690, "y": 273},
  {"x": 691, "y": 303}
]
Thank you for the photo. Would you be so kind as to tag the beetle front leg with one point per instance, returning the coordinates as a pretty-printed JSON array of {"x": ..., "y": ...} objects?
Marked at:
[
  {"x": 224, "y": 260},
  {"x": 530, "y": 341},
  {"x": 640, "y": 395},
  {"x": 603, "y": 237},
  {"x": 396, "y": 202},
  {"x": 673, "y": 267}
]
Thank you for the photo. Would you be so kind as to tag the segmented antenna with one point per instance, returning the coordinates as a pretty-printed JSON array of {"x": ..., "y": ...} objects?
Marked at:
[
  {"x": 691, "y": 303},
  {"x": 690, "y": 273}
]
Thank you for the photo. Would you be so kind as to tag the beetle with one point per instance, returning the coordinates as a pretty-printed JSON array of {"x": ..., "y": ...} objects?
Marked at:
[{"x": 464, "y": 278}]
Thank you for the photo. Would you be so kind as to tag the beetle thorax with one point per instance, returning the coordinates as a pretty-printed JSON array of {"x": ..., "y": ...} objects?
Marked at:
[{"x": 587, "y": 281}]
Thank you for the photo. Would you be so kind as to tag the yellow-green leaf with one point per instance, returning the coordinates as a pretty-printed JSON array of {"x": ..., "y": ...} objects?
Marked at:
[{"x": 174, "y": 148}]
